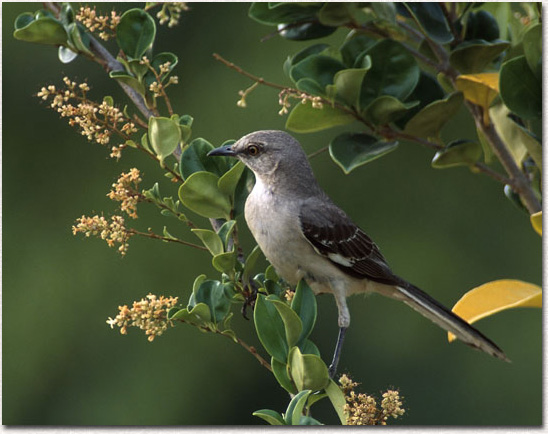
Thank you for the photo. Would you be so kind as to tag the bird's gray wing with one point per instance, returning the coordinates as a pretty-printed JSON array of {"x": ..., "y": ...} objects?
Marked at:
[{"x": 334, "y": 236}]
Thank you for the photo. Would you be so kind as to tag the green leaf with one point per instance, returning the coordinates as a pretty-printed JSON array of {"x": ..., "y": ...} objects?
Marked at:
[
  {"x": 353, "y": 49},
  {"x": 210, "y": 239},
  {"x": 295, "y": 408},
  {"x": 336, "y": 13},
  {"x": 164, "y": 135},
  {"x": 292, "y": 322},
  {"x": 250, "y": 262},
  {"x": 394, "y": 72},
  {"x": 44, "y": 30},
  {"x": 475, "y": 56},
  {"x": 270, "y": 416},
  {"x": 201, "y": 194},
  {"x": 337, "y": 399},
  {"x": 270, "y": 329},
  {"x": 301, "y": 55},
  {"x": 532, "y": 45},
  {"x": 224, "y": 262},
  {"x": 160, "y": 59},
  {"x": 198, "y": 315},
  {"x": 520, "y": 89},
  {"x": 304, "y": 304},
  {"x": 306, "y": 30},
  {"x": 212, "y": 293},
  {"x": 317, "y": 67},
  {"x": 243, "y": 188},
  {"x": 432, "y": 118},
  {"x": 135, "y": 33},
  {"x": 308, "y": 420},
  {"x": 385, "y": 11},
  {"x": 225, "y": 231},
  {"x": 347, "y": 84},
  {"x": 457, "y": 153},
  {"x": 195, "y": 159},
  {"x": 308, "y": 371},
  {"x": 306, "y": 119},
  {"x": 386, "y": 109},
  {"x": 229, "y": 181},
  {"x": 131, "y": 81},
  {"x": 432, "y": 20},
  {"x": 309, "y": 347},
  {"x": 79, "y": 38},
  {"x": 481, "y": 25},
  {"x": 282, "y": 13},
  {"x": 351, "y": 150},
  {"x": 279, "y": 370}
]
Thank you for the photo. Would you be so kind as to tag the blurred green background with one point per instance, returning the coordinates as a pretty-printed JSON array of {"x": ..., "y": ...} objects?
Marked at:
[{"x": 447, "y": 231}]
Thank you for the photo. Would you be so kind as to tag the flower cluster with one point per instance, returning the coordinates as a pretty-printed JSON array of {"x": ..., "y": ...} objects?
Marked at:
[
  {"x": 149, "y": 314},
  {"x": 125, "y": 191},
  {"x": 96, "y": 121},
  {"x": 158, "y": 87},
  {"x": 362, "y": 409},
  {"x": 171, "y": 13},
  {"x": 113, "y": 231},
  {"x": 106, "y": 25},
  {"x": 289, "y": 294},
  {"x": 286, "y": 94}
]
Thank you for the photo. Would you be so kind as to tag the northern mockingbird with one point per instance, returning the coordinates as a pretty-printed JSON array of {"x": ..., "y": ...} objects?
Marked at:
[{"x": 305, "y": 235}]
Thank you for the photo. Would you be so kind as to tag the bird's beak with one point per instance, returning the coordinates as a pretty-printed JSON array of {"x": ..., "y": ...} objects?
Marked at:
[{"x": 222, "y": 151}]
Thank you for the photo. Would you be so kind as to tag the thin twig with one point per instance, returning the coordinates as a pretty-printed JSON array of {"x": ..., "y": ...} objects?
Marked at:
[
  {"x": 160, "y": 237},
  {"x": 318, "y": 152}
]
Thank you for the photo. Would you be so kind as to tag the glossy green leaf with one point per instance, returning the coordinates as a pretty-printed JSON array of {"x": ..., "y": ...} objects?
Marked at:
[
  {"x": 306, "y": 119},
  {"x": 282, "y": 377},
  {"x": 135, "y": 33},
  {"x": 301, "y": 55},
  {"x": 228, "y": 182},
  {"x": 353, "y": 49},
  {"x": 337, "y": 13},
  {"x": 312, "y": 87},
  {"x": 282, "y": 13},
  {"x": 210, "y": 239},
  {"x": 475, "y": 56},
  {"x": 157, "y": 61},
  {"x": 243, "y": 188},
  {"x": 308, "y": 371},
  {"x": 295, "y": 408},
  {"x": 131, "y": 81},
  {"x": 212, "y": 293},
  {"x": 201, "y": 194},
  {"x": 250, "y": 262},
  {"x": 271, "y": 274},
  {"x": 481, "y": 25},
  {"x": 270, "y": 329},
  {"x": 305, "y": 31},
  {"x": 270, "y": 416},
  {"x": 197, "y": 315},
  {"x": 317, "y": 67},
  {"x": 44, "y": 30},
  {"x": 385, "y": 11},
  {"x": 520, "y": 89},
  {"x": 225, "y": 231},
  {"x": 351, "y": 150},
  {"x": 432, "y": 20},
  {"x": 292, "y": 322},
  {"x": 457, "y": 153},
  {"x": 347, "y": 84},
  {"x": 394, "y": 72},
  {"x": 304, "y": 305},
  {"x": 224, "y": 262},
  {"x": 309, "y": 347},
  {"x": 386, "y": 109},
  {"x": 432, "y": 118},
  {"x": 195, "y": 159},
  {"x": 79, "y": 38},
  {"x": 532, "y": 46},
  {"x": 164, "y": 135},
  {"x": 308, "y": 420},
  {"x": 337, "y": 399}
]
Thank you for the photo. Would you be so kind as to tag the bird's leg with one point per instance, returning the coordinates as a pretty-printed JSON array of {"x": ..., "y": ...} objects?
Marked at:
[
  {"x": 339, "y": 291},
  {"x": 337, "y": 353}
]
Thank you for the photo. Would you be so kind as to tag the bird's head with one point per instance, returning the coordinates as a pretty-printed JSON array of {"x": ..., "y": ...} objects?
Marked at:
[{"x": 266, "y": 152}]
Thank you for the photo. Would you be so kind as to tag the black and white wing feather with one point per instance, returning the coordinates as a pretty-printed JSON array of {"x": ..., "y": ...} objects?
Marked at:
[{"x": 334, "y": 236}]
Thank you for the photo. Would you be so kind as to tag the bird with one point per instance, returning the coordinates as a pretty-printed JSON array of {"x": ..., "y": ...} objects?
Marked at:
[{"x": 304, "y": 235}]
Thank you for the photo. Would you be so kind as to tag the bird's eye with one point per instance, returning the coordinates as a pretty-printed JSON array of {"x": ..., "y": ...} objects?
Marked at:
[{"x": 253, "y": 150}]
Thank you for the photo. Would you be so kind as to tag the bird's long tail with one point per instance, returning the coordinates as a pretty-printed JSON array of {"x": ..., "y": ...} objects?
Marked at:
[{"x": 447, "y": 320}]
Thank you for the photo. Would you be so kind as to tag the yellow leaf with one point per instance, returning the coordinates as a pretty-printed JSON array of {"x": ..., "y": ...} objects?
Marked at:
[
  {"x": 480, "y": 89},
  {"x": 493, "y": 297},
  {"x": 536, "y": 221}
]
